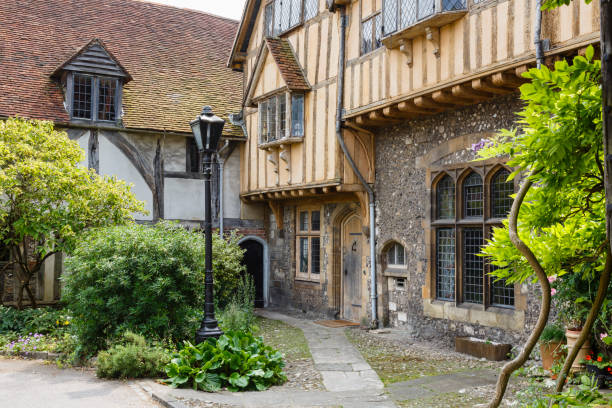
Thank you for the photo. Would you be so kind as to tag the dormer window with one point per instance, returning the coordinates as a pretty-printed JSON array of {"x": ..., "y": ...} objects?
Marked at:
[
  {"x": 93, "y": 82},
  {"x": 280, "y": 117}
]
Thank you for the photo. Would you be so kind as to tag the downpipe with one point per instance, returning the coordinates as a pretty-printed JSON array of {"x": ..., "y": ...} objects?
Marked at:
[
  {"x": 362, "y": 180},
  {"x": 221, "y": 162},
  {"x": 537, "y": 36}
]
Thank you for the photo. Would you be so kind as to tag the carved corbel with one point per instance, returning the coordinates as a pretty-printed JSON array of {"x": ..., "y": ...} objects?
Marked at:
[
  {"x": 433, "y": 36},
  {"x": 272, "y": 159},
  {"x": 285, "y": 155},
  {"x": 406, "y": 48},
  {"x": 277, "y": 210}
]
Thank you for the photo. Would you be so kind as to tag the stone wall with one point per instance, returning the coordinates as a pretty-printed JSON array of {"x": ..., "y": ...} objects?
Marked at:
[{"x": 403, "y": 154}]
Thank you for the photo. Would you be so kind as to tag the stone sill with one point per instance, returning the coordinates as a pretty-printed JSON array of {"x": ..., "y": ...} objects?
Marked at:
[
  {"x": 396, "y": 273},
  {"x": 503, "y": 318},
  {"x": 281, "y": 142}
]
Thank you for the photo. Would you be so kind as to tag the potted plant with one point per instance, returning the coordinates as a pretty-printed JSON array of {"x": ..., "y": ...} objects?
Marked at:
[
  {"x": 573, "y": 296},
  {"x": 552, "y": 341},
  {"x": 600, "y": 367}
]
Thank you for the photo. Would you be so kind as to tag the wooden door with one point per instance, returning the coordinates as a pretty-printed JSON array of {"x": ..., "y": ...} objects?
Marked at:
[
  {"x": 253, "y": 260},
  {"x": 351, "y": 268}
]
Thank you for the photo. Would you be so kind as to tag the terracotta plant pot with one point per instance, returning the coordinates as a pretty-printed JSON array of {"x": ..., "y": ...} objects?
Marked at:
[
  {"x": 552, "y": 353},
  {"x": 572, "y": 336}
]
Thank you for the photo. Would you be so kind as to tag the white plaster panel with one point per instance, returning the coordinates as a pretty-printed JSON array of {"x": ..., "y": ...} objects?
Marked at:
[
  {"x": 175, "y": 153},
  {"x": 183, "y": 199},
  {"x": 114, "y": 163},
  {"x": 231, "y": 186},
  {"x": 83, "y": 142}
]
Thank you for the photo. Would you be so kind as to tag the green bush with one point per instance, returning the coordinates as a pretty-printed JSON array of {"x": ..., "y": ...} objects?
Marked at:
[
  {"x": 553, "y": 333},
  {"x": 132, "y": 358},
  {"x": 43, "y": 320},
  {"x": 238, "y": 314},
  {"x": 237, "y": 360},
  {"x": 146, "y": 279}
]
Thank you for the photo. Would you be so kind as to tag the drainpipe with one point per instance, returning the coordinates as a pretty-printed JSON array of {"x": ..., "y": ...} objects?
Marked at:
[
  {"x": 221, "y": 161},
  {"x": 340, "y": 86},
  {"x": 537, "y": 40}
]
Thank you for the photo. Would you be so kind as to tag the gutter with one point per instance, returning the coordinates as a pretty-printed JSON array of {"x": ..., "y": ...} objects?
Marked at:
[{"x": 362, "y": 180}]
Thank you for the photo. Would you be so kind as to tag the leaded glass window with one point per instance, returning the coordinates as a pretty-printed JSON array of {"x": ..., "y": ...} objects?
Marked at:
[
  {"x": 316, "y": 221},
  {"x": 272, "y": 130},
  {"x": 473, "y": 276},
  {"x": 472, "y": 196},
  {"x": 297, "y": 115},
  {"x": 274, "y": 117},
  {"x": 445, "y": 261},
  {"x": 501, "y": 192},
  {"x": 445, "y": 200},
  {"x": 308, "y": 239},
  {"x": 502, "y": 293},
  {"x": 371, "y": 34},
  {"x": 396, "y": 255},
  {"x": 315, "y": 252},
  {"x": 81, "y": 99},
  {"x": 311, "y": 9},
  {"x": 269, "y": 20},
  {"x": 303, "y": 255},
  {"x": 106, "y": 99}
]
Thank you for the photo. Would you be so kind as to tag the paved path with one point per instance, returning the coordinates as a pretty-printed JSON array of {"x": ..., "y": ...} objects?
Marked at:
[
  {"x": 341, "y": 365},
  {"x": 34, "y": 384}
]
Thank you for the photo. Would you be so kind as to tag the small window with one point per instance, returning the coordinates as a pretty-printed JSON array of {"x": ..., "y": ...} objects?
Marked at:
[
  {"x": 297, "y": 115},
  {"x": 371, "y": 34},
  {"x": 106, "y": 99},
  {"x": 396, "y": 255},
  {"x": 274, "y": 117},
  {"x": 308, "y": 240},
  {"x": 94, "y": 98},
  {"x": 501, "y": 192},
  {"x": 193, "y": 159},
  {"x": 472, "y": 196},
  {"x": 445, "y": 198},
  {"x": 81, "y": 99}
]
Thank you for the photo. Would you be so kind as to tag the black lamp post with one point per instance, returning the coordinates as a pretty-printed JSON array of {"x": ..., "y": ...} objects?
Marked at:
[{"x": 207, "y": 129}]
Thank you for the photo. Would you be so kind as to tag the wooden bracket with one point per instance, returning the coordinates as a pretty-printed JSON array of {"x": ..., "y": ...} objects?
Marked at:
[
  {"x": 285, "y": 155},
  {"x": 433, "y": 36},
  {"x": 364, "y": 206},
  {"x": 272, "y": 159},
  {"x": 277, "y": 210},
  {"x": 406, "y": 48}
]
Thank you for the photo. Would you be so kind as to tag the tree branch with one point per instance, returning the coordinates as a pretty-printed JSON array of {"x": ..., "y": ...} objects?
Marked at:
[{"x": 510, "y": 367}]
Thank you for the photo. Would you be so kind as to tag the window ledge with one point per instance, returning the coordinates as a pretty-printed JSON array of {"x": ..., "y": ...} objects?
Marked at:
[
  {"x": 504, "y": 318},
  {"x": 396, "y": 272},
  {"x": 437, "y": 19},
  {"x": 281, "y": 142}
]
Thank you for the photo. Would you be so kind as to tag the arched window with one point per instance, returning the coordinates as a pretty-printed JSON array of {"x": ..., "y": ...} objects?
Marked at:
[
  {"x": 445, "y": 200},
  {"x": 396, "y": 255},
  {"x": 501, "y": 190},
  {"x": 472, "y": 196}
]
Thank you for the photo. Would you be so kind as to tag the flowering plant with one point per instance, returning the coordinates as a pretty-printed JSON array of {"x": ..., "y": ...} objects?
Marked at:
[{"x": 600, "y": 361}]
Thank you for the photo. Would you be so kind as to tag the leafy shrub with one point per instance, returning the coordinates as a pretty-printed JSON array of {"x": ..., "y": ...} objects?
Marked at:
[
  {"x": 585, "y": 395},
  {"x": 132, "y": 358},
  {"x": 553, "y": 333},
  {"x": 239, "y": 315},
  {"x": 34, "y": 342},
  {"x": 43, "y": 320},
  {"x": 237, "y": 360},
  {"x": 146, "y": 279}
]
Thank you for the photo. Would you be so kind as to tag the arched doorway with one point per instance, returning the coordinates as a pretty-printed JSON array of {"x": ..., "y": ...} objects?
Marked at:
[{"x": 256, "y": 261}]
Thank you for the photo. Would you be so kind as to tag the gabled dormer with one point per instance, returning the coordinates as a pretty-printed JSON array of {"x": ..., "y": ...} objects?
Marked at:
[
  {"x": 278, "y": 88},
  {"x": 93, "y": 81}
]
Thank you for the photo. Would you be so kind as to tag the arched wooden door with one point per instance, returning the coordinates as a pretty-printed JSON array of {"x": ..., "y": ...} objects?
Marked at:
[
  {"x": 253, "y": 259},
  {"x": 351, "y": 268}
]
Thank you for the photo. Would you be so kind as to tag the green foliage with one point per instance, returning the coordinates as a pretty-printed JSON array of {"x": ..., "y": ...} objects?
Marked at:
[
  {"x": 558, "y": 147},
  {"x": 585, "y": 395},
  {"x": 33, "y": 342},
  {"x": 237, "y": 360},
  {"x": 146, "y": 279},
  {"x": 131, "y": 357},
  {"x": 43, "y": 320},
  {"x": 553, "y": 333},
  {"x": 239, "y": 315},
  {"x": 553, "y": 4},
  {"x": 47, "y": 198},
  {"x": 227, "y": 267}
]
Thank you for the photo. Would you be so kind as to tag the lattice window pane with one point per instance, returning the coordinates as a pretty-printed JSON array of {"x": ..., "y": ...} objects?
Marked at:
[
  {"x": 303, "y": 220},
  {"x": 81, "y": 98},
  {"x": 263, "y": 122},
  {"x": 473, "y": 272},
  {"x": 311, "y": 9},
  {"x": 501, "y": 190},
  {"x": 297, "y": 115},
  {"x": 452, "y": 5},
  {"x": 106, "y": 99},
  {"x": 304, "y": 255},
  {"x": 400, "y": 255},
  {"x": 315, "y": 244},
  {"x": 408, "y": 12},
  {"x": 272, "y": 112},
  {"x": 445, "y": 191},
  {"x": 282, "y": 114},
  {"x": 378, "y": 31},
  {"x": 391, "y": 255},
  {"x": 472, "y": 196},
  {"x": 316, "y": 221},
  {"x": 366, "y": 36},
  {"x": 390, "y": 13},
  {"x": 425, "y": 8},
  {"x": 269, "y": 20},
  {"x": 502, "y": 294},
  {"x": 296, "y": 12},
  {"x": 445, "y": 264}
]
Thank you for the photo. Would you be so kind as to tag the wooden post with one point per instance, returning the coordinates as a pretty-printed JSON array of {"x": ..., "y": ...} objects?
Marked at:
[{"x": 606, "y": 74}]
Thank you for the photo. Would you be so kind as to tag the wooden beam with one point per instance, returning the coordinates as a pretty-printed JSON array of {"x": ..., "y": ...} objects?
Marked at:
[
  {"x": 363, "y": 121},
  {"x": 467, "y": 92},
  {"x": 393, "y": 112},
  {"x": 426, "y": 102},
  {"x": 485, "y": 85},
  {"x": 446, "y": 96},
  {"x": 507, "y": 79},
  {"x": 377, "y": 116},
  {"x": 277, "y": 210},
  {"x": 294, "y": 193},
  {"x": 410, "y": 107}
]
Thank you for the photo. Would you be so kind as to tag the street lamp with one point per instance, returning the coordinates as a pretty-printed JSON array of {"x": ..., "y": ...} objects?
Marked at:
[{"x": 207, "y": 129}]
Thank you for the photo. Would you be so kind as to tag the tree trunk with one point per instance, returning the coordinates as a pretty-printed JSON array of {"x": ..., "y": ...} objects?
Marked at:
[
  {"x": 604, "y": 281},
  {"x": 510, "y": 367}
]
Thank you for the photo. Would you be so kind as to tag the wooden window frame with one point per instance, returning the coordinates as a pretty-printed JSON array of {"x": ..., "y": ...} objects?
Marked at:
[
  {"x": 309, "y": 235},
  {"x": 394, "y": 245},
  {"x": 377, "y": 23},
  {"x": 95, "y": 93},
  {"x": 460, "y": 223},
  {"x": 280, "y": 132}
]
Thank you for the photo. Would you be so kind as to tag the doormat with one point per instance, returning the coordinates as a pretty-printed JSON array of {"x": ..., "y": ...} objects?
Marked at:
[{"x": 336, "y": 323}]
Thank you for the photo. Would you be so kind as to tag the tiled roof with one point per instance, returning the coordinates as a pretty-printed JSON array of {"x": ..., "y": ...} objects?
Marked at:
[
  {"x": 176, "y": 58},
  {"x": 287, "y": 63}
]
